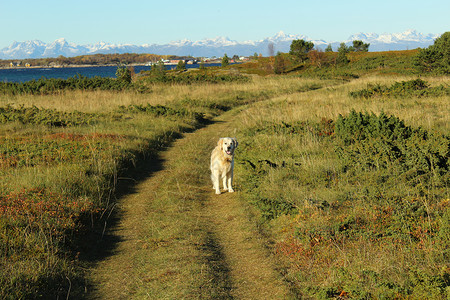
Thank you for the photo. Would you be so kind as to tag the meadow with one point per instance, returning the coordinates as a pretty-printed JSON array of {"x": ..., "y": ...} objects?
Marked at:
[
  {"x": 353, "y": 191},
  {"x": 349, "y": 184}
]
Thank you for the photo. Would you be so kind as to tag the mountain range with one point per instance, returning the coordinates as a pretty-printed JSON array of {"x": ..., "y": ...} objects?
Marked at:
[{"x": 409, "y": 39}]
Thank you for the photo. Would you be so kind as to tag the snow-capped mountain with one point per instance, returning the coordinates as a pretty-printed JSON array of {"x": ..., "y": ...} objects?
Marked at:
[
  {"x": 209, "y": 47},
  {"x": 409, "y": 39},
  {"x": 24, "y": 49},
  {"x": 62, "y": 47}
]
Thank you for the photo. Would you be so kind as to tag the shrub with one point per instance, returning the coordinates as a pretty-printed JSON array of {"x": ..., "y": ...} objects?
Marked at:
[
  {"x": 181, "y": 66},
  {"x": 160, "y": 110},
  {"x": 279, "y": 64},
  {"x": 371, "y": 142},
  {"x": 342, "y": 55},
  {"x": 225, "y": 61},
  {"x": 435, "y": 58},
  {"x": 124, "y": 75},
  {"x": 50, "y": 117},
  {"x": 370, "y": 63},
  {"x": 187, "y": 78},
  {"x": 45, "y": 86},
  {"x": 416, "y": 88}
]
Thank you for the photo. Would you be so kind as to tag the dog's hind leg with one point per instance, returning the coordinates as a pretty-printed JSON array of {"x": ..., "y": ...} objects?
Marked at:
[
  {"x": 225, "y": 178},
  {"x": 230, "y": 181}
]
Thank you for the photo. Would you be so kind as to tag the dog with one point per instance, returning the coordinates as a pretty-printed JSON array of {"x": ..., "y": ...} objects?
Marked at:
[{"x": 222, "y": 164}]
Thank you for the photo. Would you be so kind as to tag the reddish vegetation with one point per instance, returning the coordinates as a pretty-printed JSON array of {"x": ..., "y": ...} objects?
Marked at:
[{"x": 37, "y": 209}]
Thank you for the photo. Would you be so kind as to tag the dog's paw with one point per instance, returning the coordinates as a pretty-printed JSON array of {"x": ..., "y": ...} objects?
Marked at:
[
  {"x": 230, "y": 190},
  {"x": 217, "y": 192}
]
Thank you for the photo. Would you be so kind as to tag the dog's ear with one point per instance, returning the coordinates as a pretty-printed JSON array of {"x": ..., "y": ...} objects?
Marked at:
[
  {"x": 220, "y": 143},
  {"x": 235, "y": 142}
]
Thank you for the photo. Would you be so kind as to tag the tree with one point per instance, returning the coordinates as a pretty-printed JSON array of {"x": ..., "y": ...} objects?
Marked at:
[
  {"x": 435, "y": 58},
  {"x": 342, "y": 54},
  {"x": 328, "y": 48},
  {"x": 123, "y": 74},
  {"x": 271, "y": 49},
  {"x": 225, "y": 60},
  {"x": 300, "y": 48},
  {"x": 159, "y": 70},
  {"x": 359, "y": 46},
  {"x": 280, "y": 64},
  {"x": 181, "y": 66}
]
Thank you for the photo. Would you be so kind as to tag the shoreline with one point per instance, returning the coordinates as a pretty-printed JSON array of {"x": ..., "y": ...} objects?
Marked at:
[
  {"x": 87, "y": 66},
  {"x": 67, "y": 66}
]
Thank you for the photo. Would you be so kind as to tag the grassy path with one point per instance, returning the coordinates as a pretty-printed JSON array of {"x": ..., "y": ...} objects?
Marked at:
[{"x": 178, "y": 240}]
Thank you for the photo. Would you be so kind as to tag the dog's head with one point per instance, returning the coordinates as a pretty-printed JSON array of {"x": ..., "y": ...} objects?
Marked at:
[{"x": 228, "y": 145}]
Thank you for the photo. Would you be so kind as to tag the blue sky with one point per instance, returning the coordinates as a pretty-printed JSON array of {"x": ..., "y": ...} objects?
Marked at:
[{"x": 159, "y": 22}]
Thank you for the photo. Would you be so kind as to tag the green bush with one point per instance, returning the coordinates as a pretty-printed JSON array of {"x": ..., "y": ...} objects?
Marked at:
[
  {"x": 54, "y": 118},
  {"x": 160, "y": 110},
  {"x": 435, "y": 58},
  {"x": 415, "y": 88},
  {"x": 123, "y": 74},
  {"x": 370, "y": 142},
  {"x": 186, "y": 78},
  {"x": 50, "y": 117},
  {"x": 45, "y": 86}
]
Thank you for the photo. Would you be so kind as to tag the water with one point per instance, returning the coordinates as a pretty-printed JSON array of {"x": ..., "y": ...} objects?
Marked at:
[{"x": 27, "y": 74}]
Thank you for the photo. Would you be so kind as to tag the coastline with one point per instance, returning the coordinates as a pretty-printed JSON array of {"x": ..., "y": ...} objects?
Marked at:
[
  {"x": 23, "y": 74},
  {"x": 67, "y": 66},
  {"x": 92, "y": 66}
]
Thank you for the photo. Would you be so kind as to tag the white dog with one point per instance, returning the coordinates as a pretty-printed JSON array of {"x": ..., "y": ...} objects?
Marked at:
[{"x": 222, "y": 163}]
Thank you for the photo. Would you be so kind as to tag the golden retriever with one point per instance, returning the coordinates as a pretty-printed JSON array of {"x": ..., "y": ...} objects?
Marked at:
[{"x": 222, "y": 163}]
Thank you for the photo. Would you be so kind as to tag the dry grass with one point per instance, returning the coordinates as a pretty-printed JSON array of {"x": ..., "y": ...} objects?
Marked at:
[
  {"x": 104, "y": 101},
  {"x": 332, "y": 101}
]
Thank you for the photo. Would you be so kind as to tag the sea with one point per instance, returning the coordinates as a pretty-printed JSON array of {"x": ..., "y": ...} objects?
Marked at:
[{"x": 27, "y": 74}]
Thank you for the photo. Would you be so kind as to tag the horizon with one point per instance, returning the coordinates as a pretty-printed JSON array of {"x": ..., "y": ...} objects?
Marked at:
[{"x": 139, "y": 22}]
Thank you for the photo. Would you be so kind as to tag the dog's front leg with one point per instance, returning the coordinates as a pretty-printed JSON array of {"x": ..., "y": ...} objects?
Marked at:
[{"x": 215, "y": 180}]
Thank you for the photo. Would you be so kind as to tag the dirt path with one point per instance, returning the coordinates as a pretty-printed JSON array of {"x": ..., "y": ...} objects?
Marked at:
[{"x": 178, "y": 240}]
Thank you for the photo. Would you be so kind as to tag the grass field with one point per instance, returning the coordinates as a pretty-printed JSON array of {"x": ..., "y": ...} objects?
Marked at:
[
  {"x": 352, "y": 220},
  {"x": 352, "y": 192}
]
